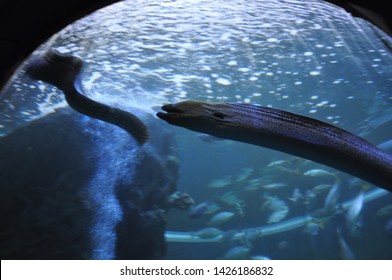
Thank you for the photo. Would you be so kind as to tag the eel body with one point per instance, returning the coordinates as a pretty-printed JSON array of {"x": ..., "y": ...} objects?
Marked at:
[
  {"x": 63, "y": 72},
  {"x": 286, "y": 132}
]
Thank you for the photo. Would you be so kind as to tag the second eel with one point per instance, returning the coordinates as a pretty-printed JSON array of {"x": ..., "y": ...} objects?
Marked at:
[
  {"x": 63, "y": 71},
  {"x": 286, "y": 132}
]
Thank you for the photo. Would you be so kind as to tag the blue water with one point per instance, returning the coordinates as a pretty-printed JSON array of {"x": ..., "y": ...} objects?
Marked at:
[{"x": 307, "y": 57}]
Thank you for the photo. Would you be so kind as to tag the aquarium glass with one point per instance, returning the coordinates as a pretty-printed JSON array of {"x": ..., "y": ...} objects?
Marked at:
[{"x": 307, "y": 57}]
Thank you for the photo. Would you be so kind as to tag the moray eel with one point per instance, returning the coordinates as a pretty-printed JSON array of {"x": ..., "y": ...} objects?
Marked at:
[
  {"x": 286, "y": 132},
  {"x": 63, "y": 72}
]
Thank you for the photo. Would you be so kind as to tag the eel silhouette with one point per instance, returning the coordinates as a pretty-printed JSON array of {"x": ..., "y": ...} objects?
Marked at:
[
  {"x": 63, "y": 72},
  {"x": 286, "y": 132}
]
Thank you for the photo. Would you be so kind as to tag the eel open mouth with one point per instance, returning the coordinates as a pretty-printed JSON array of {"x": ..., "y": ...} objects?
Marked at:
[{"x": 170, "y": 111}]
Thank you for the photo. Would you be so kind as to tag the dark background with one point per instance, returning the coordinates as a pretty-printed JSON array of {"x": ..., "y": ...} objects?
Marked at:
[{"x": 25, "y": 24}]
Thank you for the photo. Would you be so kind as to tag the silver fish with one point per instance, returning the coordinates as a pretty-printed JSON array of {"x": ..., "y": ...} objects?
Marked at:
[
  {"x": 318, "y": 172},
  {"x": 276, "y": 163},
  {"x": 221, "y": 218},
  {"x": 273, "y": 186},
  {"x": 332, "y": 197},
  {"x": 253, "y": 184},
  {"x": 297, "y": 195},
  {"x": 221, "y": 183},
  {"x": 230, "y": 198},
  {"x": 278, "y": 209},
  {"x": 237, "y": 253},
  {"x": 244, "y": 174},
  {"x": 353, "y": 213},
  {"x": 208, "y": 233},
  {"x": 321, "y": 188},
  {"x": 199, "y": 210},
  {"x": 310, "y": 197}
]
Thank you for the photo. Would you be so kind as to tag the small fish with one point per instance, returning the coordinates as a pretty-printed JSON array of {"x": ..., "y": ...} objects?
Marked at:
[
  {"x": 276, "y": 163},
  {"x": 273, "y": 186},
  {"x": 277, "y": 216},
  {"x": 297, "y": 195},
  {"x": 220, "y": 218},
  {"x": 199, "y": 210},
  {"x": 332, "y": 197},
  {"x": 321, "y": 188},
  {"x": 228, "y": 236},
  {"x": 355, "y": 207},
  {"x": 220, "y": 183},
  {"x": 250, "y": 236},
  {"x": 213, "y": 207},
  {"x": 310, "y": 197},
  {"x": 208, "y": 233},
  {"x": 237, "y": 253},
  {"x": 318, "y": 172},
  {"x": 240, "y": 207},
  {"x": 277, "y": 208},
  {"x": 244, "y": 174},
  {"x": 253, "y": 184},
  {"x": 353, "y": 213},
  {"x": 321, "y": 214},
  {"x": 230, "y": 198},
  {"x": 345, "y": 250}
]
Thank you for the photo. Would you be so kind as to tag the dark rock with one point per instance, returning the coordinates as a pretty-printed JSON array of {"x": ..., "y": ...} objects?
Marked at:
[{"x": 72, "y": 187}]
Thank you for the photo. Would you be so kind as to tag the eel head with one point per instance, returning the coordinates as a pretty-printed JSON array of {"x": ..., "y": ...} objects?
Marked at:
[
  {"x": 55, "y": 68},
  {"x": 210, "y": 118}
]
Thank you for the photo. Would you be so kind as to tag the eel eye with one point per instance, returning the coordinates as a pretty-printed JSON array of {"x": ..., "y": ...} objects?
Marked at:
[{"x": 219, "y": 115}]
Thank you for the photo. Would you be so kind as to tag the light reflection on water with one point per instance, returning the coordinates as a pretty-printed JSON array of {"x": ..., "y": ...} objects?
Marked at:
[{"x": 258, "y": 52}]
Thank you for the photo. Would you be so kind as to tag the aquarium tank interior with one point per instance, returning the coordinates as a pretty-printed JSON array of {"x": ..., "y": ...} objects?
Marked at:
[{"x": 76, "y": 184}]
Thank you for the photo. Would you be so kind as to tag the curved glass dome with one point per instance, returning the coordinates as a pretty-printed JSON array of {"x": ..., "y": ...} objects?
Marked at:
[{"x": 306, "y": 57}]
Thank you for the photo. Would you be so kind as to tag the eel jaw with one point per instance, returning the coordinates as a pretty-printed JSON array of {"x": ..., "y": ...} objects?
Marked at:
[
  {"x": 188, "y": 114},
  {"x": 171, "y": 112},
  {"x": 194, "y": 115},
  {"x": 198, "y": 116}
]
